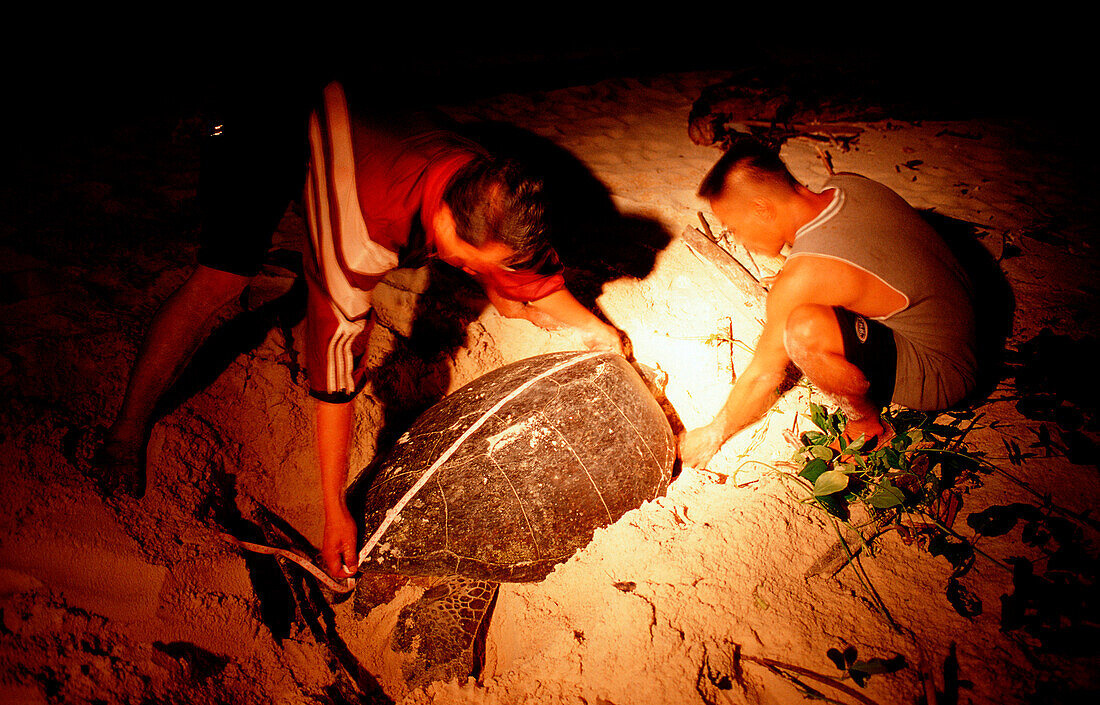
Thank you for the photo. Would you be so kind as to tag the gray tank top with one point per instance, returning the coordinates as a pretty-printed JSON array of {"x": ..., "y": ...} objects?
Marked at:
[{"x": 873, "y": 228}]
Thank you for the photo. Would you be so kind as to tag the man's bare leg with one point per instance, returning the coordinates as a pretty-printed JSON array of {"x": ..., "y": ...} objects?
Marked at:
[
  {"x": 814, "y": 343},
  {"x": 176, "y": 331}
]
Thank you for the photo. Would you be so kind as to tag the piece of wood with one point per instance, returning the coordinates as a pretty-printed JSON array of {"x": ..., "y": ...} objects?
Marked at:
[
  {"x": 746, "y": 287},
  {"x": 837, "y": 131},
  {"x": 827, "y": 160}
]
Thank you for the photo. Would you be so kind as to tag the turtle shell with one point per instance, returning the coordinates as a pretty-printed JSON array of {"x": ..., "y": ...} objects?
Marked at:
[{"x": 513, "y": 473}]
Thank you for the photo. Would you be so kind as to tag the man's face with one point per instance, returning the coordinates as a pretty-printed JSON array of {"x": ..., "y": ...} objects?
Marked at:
[{"x": 749, "y": 223}]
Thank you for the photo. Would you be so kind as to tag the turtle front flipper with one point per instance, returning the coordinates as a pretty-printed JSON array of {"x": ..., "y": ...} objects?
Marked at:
[{"x": 442, "y": 635}]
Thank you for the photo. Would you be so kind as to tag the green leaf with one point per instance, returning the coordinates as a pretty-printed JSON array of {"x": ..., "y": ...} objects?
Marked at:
[
  {"x": 834, "y": 506},
  {"x": 886, "y": 496},
  {"x": 880, "y": 665},
  {"x": 813, "y": 469},
  {"x": 824, "y": 452},
  {"x": 836, "y": 421},
  {"x": 829, "y": 482},
  {"x": 855, "y": 445},
  {"x": 818, "y": 416},
  {"x": 870, "y": 668},
  {"x": 814, "y": 438}
]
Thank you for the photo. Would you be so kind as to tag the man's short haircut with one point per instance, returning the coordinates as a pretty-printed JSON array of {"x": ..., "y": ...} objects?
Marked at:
[
  {"x": 497, "y": 200},
  {"x": 752, "y": 162}
]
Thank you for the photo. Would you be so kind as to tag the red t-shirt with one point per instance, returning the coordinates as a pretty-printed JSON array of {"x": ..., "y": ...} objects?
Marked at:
[{"x": 400, "y": 182}]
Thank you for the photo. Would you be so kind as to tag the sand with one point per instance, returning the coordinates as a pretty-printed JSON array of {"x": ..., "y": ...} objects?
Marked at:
[{"x": 124, "y": 602}]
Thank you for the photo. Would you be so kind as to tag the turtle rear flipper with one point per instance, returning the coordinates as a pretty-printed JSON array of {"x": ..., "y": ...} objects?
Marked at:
[{"x": 443, "y": 633}]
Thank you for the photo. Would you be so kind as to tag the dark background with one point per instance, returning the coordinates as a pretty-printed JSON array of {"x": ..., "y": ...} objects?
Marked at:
[{"x": 85, "y": 67}]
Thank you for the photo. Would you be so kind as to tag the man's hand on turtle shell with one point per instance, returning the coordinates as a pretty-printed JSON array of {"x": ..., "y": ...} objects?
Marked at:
[{"x": 605, "y": 337}]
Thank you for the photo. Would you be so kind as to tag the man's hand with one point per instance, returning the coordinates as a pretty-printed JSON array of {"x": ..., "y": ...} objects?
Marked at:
[
  {"x": 596, "y": 335},
  {"x": 338, "y": 547},
  {"x": 698, "y": 446},
  {"x": 601, "y": 336}
]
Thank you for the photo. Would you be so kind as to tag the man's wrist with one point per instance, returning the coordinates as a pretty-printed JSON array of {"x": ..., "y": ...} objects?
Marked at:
[{"x": 335, "y": 507}]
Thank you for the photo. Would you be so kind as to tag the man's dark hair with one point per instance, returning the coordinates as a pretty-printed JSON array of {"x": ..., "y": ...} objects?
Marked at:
[
  {"x": 497, "y": 200},
  {"x": 748, "y": 158}
]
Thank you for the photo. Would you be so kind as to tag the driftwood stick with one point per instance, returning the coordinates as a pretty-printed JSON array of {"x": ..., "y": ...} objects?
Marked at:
[
  {"x": 831, "y": 130},
  {"x": 706, "y": 226},
  {"x": 347, "y": 585},
  {"x": 745, "y": 284}
]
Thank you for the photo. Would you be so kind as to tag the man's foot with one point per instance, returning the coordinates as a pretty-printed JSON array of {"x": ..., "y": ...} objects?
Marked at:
[
  {"x": 120, "y": 465},
  {"x": 874, "y": 431}
]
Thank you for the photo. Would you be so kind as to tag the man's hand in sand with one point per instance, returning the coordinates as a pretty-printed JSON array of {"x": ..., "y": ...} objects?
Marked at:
[
  {"x": 699, "y": 445},
  {"x": 338, "y": 546},
  {"x": 121, "y": 468}
]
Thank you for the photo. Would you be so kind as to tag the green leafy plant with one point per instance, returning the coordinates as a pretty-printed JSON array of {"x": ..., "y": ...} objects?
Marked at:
[
  {"x": 910, "y": 473},
  {"x": 912, "y": 484}
]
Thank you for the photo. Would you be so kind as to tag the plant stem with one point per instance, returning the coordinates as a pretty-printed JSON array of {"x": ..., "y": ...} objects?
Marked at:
[{"x": 866, "y": 580}]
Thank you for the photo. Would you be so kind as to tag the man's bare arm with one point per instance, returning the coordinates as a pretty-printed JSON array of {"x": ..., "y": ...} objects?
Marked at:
[
  {"x": 754, "y": 392},
  {"x": 333, "y": 428},
  {"x": 559, "y": 309},
  {"x": 597, "y": 335},
  {"x": 759, "y": 386}
]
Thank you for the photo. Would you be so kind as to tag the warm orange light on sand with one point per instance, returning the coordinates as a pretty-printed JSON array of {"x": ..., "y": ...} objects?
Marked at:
[{"x": 127, "y": 601}]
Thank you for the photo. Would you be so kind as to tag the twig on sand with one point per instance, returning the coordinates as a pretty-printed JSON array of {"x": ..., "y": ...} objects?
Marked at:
[
  {"x": 826, "y": 159},
  {"x": 706, "y": 226}
]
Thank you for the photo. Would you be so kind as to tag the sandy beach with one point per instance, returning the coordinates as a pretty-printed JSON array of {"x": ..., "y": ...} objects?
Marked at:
[{"x": 727, "y": 589}]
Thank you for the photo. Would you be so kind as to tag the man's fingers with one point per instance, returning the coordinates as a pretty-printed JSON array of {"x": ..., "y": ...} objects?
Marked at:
[
  {"x": 349, "y": 560},
  {"x": 332, "y": 564}
]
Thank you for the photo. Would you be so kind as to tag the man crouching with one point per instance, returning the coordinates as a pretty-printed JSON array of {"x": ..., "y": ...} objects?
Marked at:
[{"x": 871, "y": 305}]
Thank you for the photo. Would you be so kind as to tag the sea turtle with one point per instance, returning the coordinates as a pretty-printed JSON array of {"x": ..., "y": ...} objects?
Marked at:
[
  {"x": 499, "y": 482},
  {"x": 511, "y": 474}
]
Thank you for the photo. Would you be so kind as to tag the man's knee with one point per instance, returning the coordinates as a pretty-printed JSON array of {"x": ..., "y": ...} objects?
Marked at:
[
  {"x": 209, "y": 288},
  {"x": 812, "y": 328}
]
